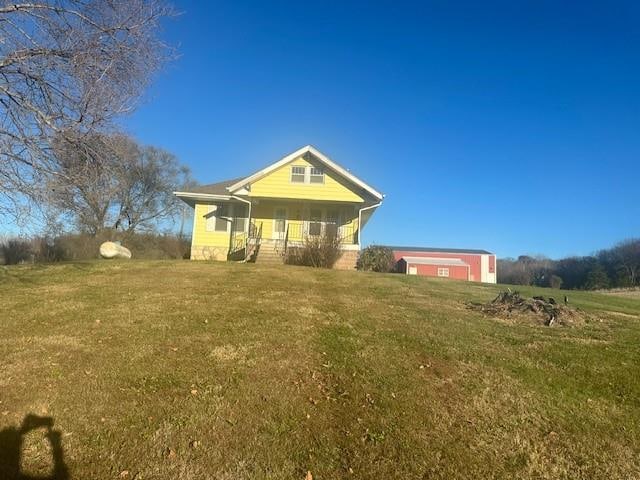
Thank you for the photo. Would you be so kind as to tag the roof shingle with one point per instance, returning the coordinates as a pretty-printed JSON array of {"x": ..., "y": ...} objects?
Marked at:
[{"x": 219, "y": 188}]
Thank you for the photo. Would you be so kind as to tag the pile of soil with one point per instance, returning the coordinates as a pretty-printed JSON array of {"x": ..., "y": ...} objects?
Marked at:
[{"x": 511, "y": 304}]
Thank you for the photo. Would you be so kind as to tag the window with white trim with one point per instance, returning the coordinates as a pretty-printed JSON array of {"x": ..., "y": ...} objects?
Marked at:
[
  {"x": 443, "y": 272},
  {"x": 222, "y": 217},
  {"x": 315, "y": 219},
  {"x": 332, "y": 223},
  {"x": 307, "y": 174},
  {"x": 316, "y": 175},
  {"x": 298, "y": 174},
  {"x": 210, "y": 218}
]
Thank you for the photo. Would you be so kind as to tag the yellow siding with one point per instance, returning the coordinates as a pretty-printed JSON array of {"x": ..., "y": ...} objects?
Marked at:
[
  {"x": 277, "y": 184},
  {"x": 200, "y": 234}
]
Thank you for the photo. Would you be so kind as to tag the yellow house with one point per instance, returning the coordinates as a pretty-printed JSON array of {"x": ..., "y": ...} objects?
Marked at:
[{"x": 256, "y": 218}]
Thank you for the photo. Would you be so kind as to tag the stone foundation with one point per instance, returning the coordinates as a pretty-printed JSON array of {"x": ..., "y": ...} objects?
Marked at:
[
  {"x": 199, "y": 252},
  {"x": 347, "y": 261},
  {"x": 266, "y": 254}
]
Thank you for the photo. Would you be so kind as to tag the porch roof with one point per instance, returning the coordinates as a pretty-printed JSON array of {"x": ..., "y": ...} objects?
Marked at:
[
  {"x": 218, "y": 188},
  {"x": 212, "y": 191}
]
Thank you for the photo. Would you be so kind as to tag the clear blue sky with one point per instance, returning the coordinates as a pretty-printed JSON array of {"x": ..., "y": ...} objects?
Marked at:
[{"x": 511, "y": 126}]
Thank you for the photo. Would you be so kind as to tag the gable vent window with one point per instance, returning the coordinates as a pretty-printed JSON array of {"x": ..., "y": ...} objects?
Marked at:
[
  {"x": 316, "y": 175},
  {"x": 297, "y": 174}
]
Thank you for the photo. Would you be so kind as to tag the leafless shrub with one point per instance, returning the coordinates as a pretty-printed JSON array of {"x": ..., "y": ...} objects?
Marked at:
[
  {"x": 16, "y": 250},
  {"x": 47, "y": 250},
  {"x": 148, "y": 246},
  {"x": 376, "y": 258},
  {"x": 321, "y": 251}
]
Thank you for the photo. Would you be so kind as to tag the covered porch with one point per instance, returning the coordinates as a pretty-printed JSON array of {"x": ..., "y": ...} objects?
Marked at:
[
  {"x": 283, "y": 224},
  {"x": 295, "y": 221}
]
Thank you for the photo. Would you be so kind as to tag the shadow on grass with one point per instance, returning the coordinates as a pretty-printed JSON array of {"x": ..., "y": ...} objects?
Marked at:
[{"x": 11, "y": 450}]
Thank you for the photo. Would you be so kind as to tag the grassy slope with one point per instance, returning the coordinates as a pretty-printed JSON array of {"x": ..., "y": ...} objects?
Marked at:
[{"x": 276, "y": 371}]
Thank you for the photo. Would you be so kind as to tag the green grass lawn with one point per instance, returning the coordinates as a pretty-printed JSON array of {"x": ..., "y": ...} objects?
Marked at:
[{"x": 231, "y": 371}]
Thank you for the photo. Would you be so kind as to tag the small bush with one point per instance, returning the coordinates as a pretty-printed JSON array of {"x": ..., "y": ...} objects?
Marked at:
[
  {"x": 555, "y": 281},
  {"x": 16, "y": 250},
  {"x": 320, "y": 252},
  {"x": 47, "y": 250},
  {"x": 376, "y": 259}
]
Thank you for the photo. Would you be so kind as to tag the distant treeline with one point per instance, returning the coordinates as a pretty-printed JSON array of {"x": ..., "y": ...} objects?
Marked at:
[{"x": 616, "y": 267}]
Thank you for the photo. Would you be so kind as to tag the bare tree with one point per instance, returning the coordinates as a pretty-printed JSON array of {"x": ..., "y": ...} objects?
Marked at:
[
  {"x": 146, "y": 194},
  {"x": 89, "y": 176},
  {"x": 626, "y": 255},
  {"x": 68, "y": 66},
  {"x": 109, "y": 181}
]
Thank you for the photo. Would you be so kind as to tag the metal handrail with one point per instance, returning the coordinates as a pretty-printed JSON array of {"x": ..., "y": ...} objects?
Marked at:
[{"x": 300, "y": 230}]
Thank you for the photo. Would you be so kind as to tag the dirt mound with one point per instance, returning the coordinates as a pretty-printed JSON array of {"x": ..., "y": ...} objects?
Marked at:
[{"x": 512, "y": 305}]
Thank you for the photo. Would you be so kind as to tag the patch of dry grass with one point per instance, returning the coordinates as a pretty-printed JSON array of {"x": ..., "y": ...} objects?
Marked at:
[
  {"x": 207, "y": 370},
  {"x": 623, "y": 292}
]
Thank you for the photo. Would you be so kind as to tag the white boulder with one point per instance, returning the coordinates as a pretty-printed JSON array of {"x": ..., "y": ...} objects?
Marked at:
[{"x": 114, "y": 250}]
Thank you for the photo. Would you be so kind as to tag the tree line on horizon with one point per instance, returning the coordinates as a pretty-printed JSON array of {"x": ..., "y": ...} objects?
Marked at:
[{"x": 615, "y": 267}]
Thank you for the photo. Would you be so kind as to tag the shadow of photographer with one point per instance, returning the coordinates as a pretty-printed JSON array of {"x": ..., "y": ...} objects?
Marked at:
[{"x": 11, "y": 447}]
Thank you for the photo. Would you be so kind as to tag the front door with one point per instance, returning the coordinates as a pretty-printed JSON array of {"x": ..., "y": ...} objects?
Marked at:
[
  {"x": 315, "y": 222},
  {"x": 332, "y": 223},
  {"x": 279, "y": 223}
]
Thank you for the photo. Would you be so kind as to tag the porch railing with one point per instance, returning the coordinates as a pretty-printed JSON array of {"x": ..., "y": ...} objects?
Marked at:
[
  {"x": 300, "y": 230},
  {"x": 242, "y": 245}
]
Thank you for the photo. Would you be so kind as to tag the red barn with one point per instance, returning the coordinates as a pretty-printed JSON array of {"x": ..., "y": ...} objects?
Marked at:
[{"x": 460, "y": 264}]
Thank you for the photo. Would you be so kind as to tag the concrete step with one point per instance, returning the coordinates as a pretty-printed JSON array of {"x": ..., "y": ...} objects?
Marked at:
[
  {"x": 268, "y": 255},
  {"x": 269, "y": 261}
]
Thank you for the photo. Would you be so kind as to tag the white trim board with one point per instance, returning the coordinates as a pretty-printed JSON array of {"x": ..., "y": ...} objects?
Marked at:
[{"x": 202, "y": 196}]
